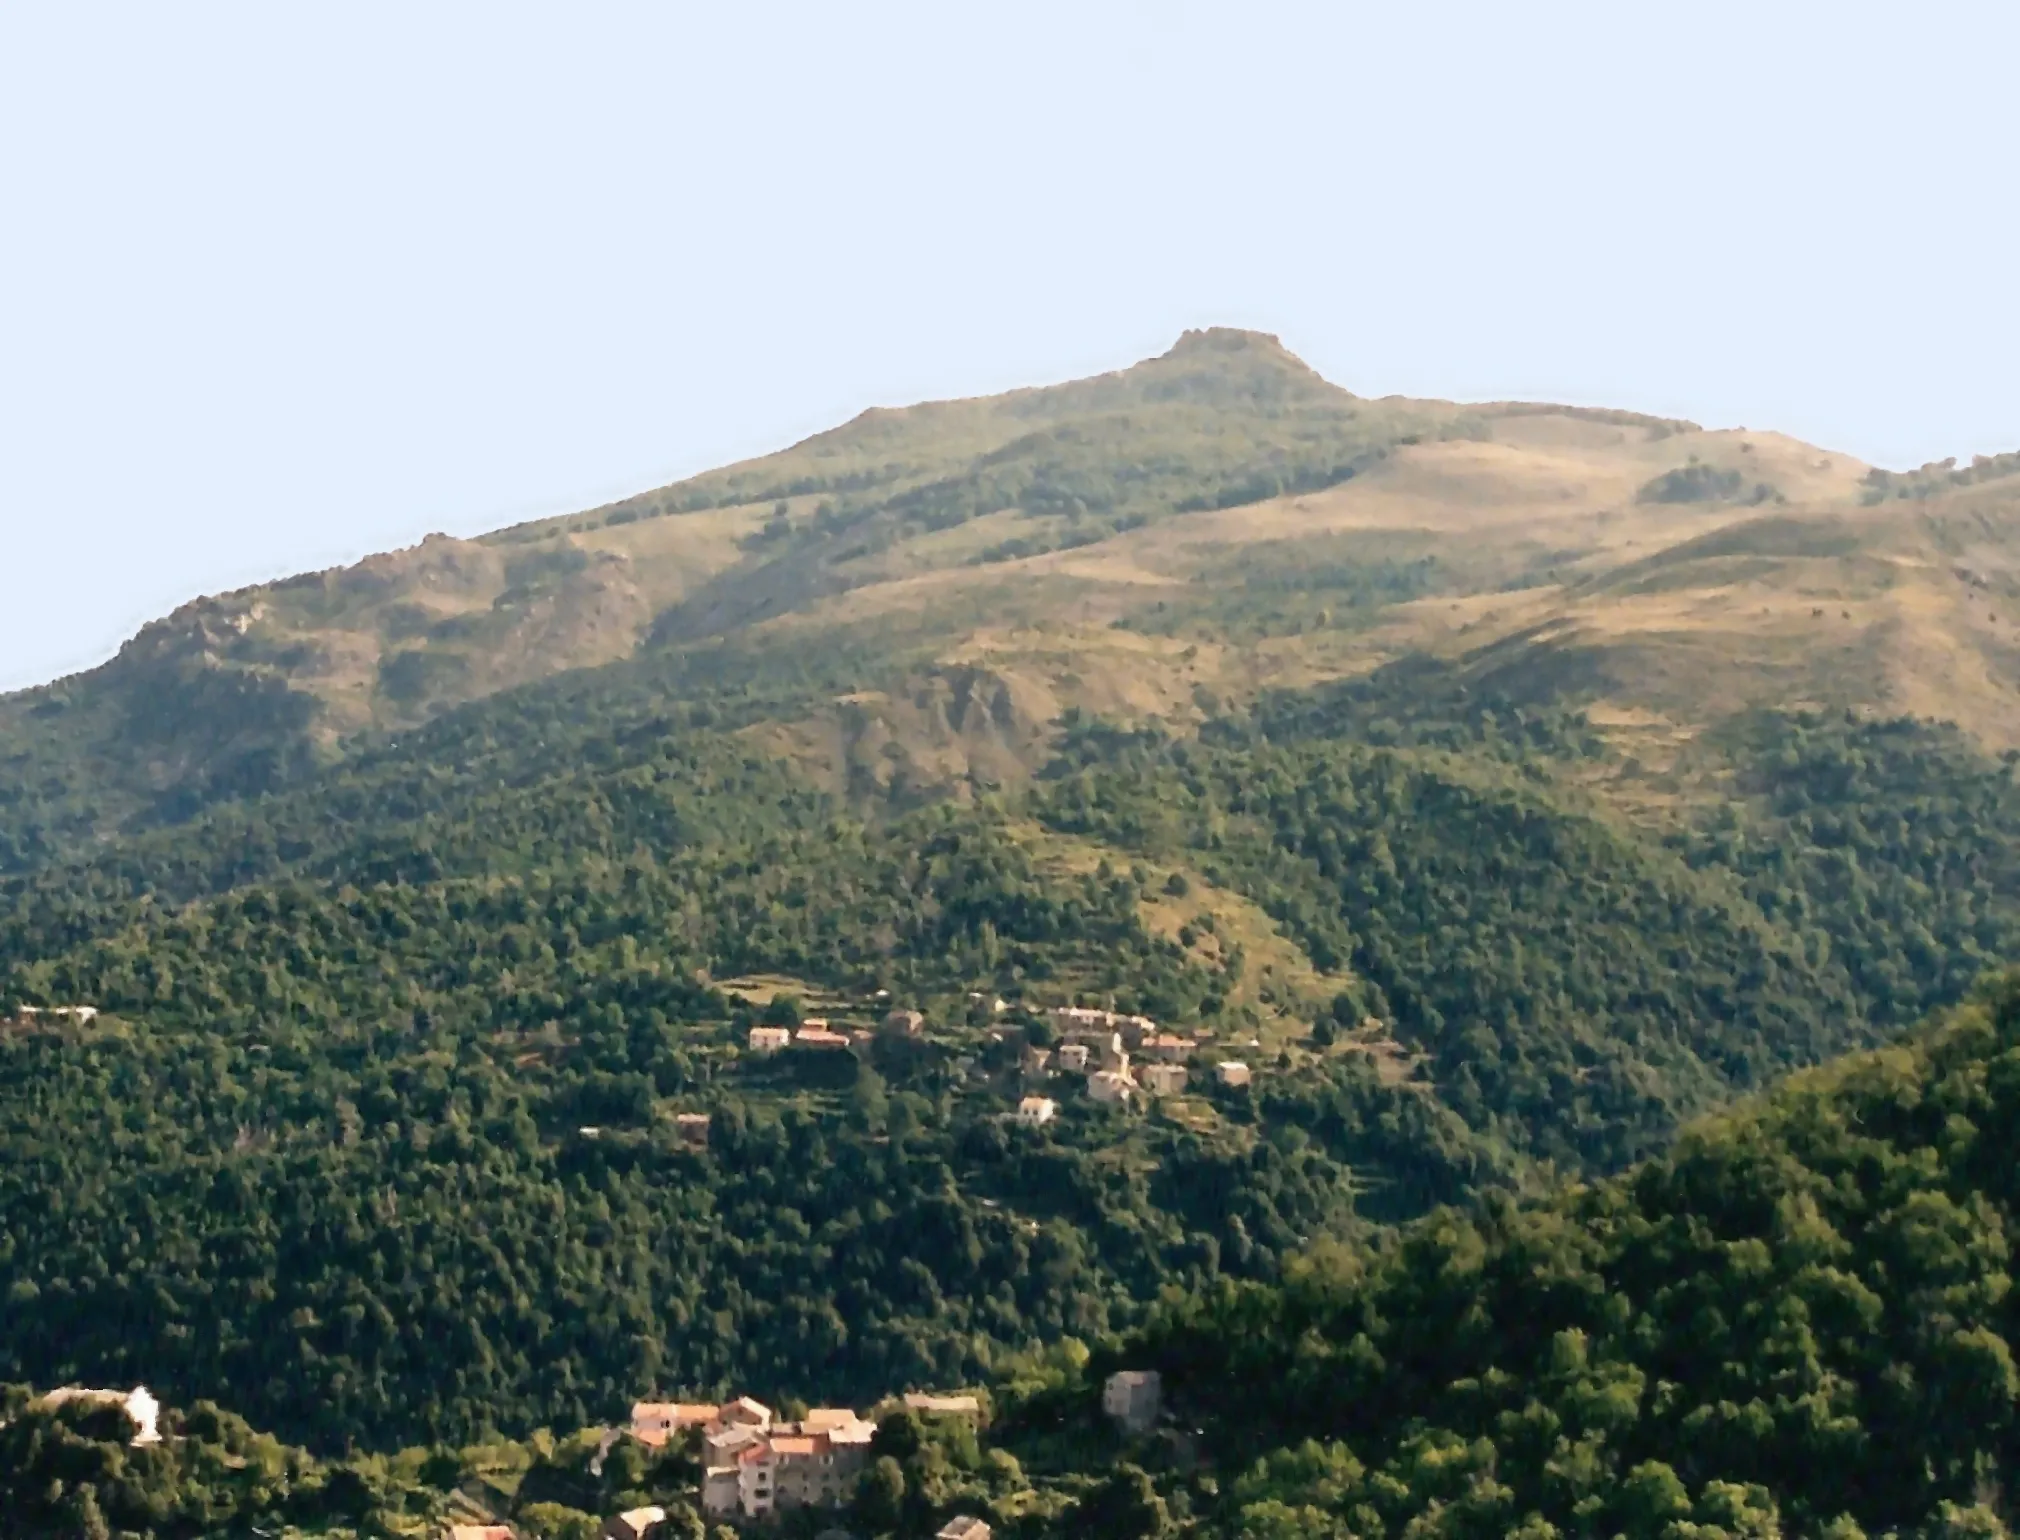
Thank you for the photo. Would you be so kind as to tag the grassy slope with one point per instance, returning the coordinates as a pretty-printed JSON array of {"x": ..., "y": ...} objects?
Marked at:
[{"x": 1511, "y": 537}]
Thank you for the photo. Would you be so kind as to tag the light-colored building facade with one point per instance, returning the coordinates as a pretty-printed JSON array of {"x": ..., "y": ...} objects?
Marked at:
[
  {"x": 769, "y": 1039},
  {"x": 138, "y": 1403},
  {"x": 927, "y": 1405},
  {"x": 753, "y": 1467},
  {"x": 1075, "y": 1019},
  {"x": 637, "y": 1524},
  {"x": 1232, "y": 1072},
  {"x": 1162, "y": 1079},
  {"x": 1036, "y": 1111},
  {"x": 654, "y": 1422},
  {"x": 1109, "y": 1086},
  {"x": 691, "y": 1129}
]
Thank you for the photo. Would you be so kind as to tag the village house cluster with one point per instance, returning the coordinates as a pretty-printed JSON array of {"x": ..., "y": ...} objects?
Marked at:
[
  {"x": 753, "y": 1464},
  {"x": 1119, "y": 1056},
  {"x": 1100, "y": 1044},
  {"x": 817, "y": 1034}
]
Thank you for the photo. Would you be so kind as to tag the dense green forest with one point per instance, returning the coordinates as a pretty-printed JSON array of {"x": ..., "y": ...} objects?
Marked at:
[
  {"x": 382, "y": 1235},
  {"x": 324, "y": 1148},
  {"x": 1799, "y": 1321}
]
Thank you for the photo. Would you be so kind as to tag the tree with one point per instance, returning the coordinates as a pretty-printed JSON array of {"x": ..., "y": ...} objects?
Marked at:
[
  {"x": 879, "y": 1504},
  {"x": 1124, "y": 1507},
  {"x": 900, "y": 1435}
]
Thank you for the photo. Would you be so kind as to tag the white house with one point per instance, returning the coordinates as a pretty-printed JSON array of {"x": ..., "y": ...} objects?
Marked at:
[
  {"x": 769, "y": 1039},
  {"x": 1231, "y": 1072},
  {"x": 635, "y": 1524},
  {"x": 137, "y": 1403},
  {"x": 1036, "y": 1110}
]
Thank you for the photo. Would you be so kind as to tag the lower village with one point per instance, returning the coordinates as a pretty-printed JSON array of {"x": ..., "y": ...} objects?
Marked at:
[{"x": 756, "y": 1466}]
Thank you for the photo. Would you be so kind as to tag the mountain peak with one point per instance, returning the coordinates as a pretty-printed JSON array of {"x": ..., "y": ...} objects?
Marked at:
[
  {"x": 1226, "y": 362},
  {"x": 1195, "y": 341}
]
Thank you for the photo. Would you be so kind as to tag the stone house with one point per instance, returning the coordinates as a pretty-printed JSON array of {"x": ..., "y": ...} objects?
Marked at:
[
  {"x": 821, "y": 1039},
  {"x": 1110, "y": 1086},
  {"x": 691, "y": 1129},
  {"x": 753, "y": 1467},
  {"x": 1133, "y": 1398},
  {"x": 1162, "y": 1079}
]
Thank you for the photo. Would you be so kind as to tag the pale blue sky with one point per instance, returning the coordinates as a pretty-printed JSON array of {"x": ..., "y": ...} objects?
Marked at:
[{"x": 284, "y": 284}]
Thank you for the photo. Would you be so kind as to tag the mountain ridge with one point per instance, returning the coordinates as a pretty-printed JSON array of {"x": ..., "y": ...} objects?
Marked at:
[{"x": 1044, "y": 513}]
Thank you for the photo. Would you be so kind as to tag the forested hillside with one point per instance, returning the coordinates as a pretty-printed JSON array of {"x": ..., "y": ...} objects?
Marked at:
[
  {"x": 1494, "y": 807},
  {"x": 1797, "y": 1322},
  {"x": 336, "y": 1156},
  {"x": 1800, "y": 1321}
]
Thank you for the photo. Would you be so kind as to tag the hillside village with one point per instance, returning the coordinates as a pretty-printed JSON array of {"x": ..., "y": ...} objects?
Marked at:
[{"x": 1110, "y": 1057}]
